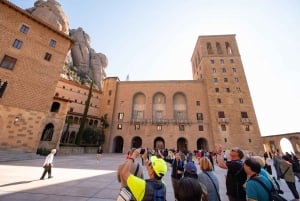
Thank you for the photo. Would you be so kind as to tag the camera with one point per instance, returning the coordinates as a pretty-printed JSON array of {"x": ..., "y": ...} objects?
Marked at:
[{"x": 142, "y": 151}]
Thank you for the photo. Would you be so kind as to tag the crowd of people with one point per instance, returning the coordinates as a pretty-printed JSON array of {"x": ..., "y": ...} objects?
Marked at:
[{"x": 248, "y": 177}]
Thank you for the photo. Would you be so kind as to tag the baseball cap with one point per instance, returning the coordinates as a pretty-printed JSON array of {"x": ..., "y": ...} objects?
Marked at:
[
  {"x": 159, "y": 166},
  {"x": 190, "y": 167}
]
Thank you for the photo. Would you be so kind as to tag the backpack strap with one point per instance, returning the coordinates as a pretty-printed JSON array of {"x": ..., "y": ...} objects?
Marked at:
[
  {"x": 214, "y": 185},
  {"x": 137, "y": 169},
  {"x": 285, "y": 171},
  {"x": 265, "y": 187}
]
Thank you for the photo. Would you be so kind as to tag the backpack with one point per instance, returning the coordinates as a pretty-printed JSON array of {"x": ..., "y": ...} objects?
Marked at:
[
  {"x": 273, "y": 194},
  {"x": 155, "y": 190}
]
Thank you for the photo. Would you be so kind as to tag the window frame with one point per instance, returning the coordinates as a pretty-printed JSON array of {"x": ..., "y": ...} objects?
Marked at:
[{"x": 8, "y": 62}]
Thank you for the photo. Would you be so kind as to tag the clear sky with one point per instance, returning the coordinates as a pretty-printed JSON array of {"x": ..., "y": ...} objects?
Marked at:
[{"x": 154, "y": 40}]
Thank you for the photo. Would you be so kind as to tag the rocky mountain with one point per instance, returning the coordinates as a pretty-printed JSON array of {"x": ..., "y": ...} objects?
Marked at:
[{"x": 82, "y": 63}]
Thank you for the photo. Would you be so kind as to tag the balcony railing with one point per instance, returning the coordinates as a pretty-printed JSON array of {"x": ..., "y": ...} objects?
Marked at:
[
  {"x": 246, "y": 121},
  {"x": 223, "y": 120},
  {"x": 163, "y": 121}
]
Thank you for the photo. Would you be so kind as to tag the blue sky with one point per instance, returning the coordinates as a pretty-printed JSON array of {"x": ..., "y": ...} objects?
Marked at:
[{"x": 154, "y": 40}]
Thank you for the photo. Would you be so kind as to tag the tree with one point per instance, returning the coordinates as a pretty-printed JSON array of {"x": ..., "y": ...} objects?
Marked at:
[
  {"x": 65, "y": 136},
  {"x": 83, "y": 120}
]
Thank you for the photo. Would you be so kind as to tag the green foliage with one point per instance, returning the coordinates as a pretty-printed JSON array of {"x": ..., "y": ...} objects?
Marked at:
[
  {"x": 92, "y": 136},
  {"x": 43, "y": 151},
  {"x": 73, "y": 74}
]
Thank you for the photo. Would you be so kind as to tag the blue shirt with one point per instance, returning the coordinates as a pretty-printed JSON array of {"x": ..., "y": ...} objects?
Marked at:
[{"x": 255, "y": 191}]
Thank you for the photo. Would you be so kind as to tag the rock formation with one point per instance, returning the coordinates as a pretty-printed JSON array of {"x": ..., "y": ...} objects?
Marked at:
[
  {"x": 82, "y": 56},
  {"x": 51, "y": 12},
  {"x": 85, "y": 59}
]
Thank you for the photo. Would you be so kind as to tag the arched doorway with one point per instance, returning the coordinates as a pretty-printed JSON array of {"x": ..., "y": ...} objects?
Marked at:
[
  {"x": 159, "y": 143},
  {"x": 118, "y": 145},
  {"x": 182, "y": 145},
  {"x": 48, "y": 132},
  {"x": 136, "y": 142},
  {"x": 286, "y": 146},
  {"x": 202, "y": 144}
]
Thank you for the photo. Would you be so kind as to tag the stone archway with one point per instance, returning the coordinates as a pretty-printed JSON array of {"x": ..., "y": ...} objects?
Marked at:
[
  {"x": 136, "y": 142},
  {"x": 118, "y": 144},
  {"x": 202, "y": 144},
  {"x": 286, "y": 146},
  {"x": 182, "y": 145},
  {"x": 159, "y": 143}
]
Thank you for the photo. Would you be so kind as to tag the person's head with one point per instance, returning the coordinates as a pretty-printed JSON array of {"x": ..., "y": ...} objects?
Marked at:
[
  {"x": 260, "y": 160},
  {"x": 189, "y": 189},
  {"x": 53, "y": 151},
  {"x": 205, "y": 164},
  {"x": 190, "y": 170},
  {"x": 158, "y": 168},
  {"x": 251, "y": 166},
  {"x": 177, "y": 155},
  {"x": 286, "y": 157},
  {"x": 236, "y": 153}
]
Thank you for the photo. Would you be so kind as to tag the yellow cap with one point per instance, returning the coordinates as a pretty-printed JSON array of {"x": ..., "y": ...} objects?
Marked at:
[{"x": 159, "y": 166}]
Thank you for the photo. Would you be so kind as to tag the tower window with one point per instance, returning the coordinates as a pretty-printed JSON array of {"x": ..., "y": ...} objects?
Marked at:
[
  {"x": 52, "y": 43},
  {"x": 214, "y": 70},
  {"x": 198, "y": 103},
  {"x": 215, "y": 80},
  {"x": 212, "y": 61},
  {"x": 223, "y": 127},
  {"x": 47, "y": 56},
  {"x": 159, "y": 127},
  {"x": 24, "y": 29},
  {"x": 199, "y": 116},
  {"x": 119, "y": 126},
  {"x": 17, "y": 44},
  {"x": 200, "y": 128},
  {"x": 221, "y": 114},
  {"x": 233, "y": 70},
  {"x": 137, "y": 126},
  {"x": 209, "y": 48},
  {"x": 222, "y": 61},
  {"x": 219, "y": 101},
  {"x": 223, "y": 70},
  {"x": 181, "y": 127},
  {"x": 247, "y": 128},
  {"x": 225, "y": 79},
  {"x": 236, "y": 79},
  {"x": 217, "y": 90},
  {"x": 231, "y": 61},
  {"x": 219, "y": 49},
  {"x": 241, "y": 100},
  {"x": 8, "y": 62},
  {"x": 244, "y": 114}
]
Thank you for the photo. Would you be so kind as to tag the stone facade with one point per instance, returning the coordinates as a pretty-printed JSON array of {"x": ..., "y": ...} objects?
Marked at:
[
  {"x": 31, "y": 58},
  {"x": 213, "y": 108}
]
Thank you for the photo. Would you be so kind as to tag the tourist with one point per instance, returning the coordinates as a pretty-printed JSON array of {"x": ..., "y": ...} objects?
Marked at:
[
  {"x": 145, "y": 189},
  {"x": 288, "y": 175},
  {"x": 236, "y": 176},
  {"x": 99, "y": 153},
  {"x": 209, "y": 179},
  {"x": 189, "y": 189},
  {"x": 276, "y": 163},
  {"x": 136, "y": 169},
  {"x": 48, "y": 164},
  {"x": 177, "y": 169},
  {"x": 258, "y": 187}
]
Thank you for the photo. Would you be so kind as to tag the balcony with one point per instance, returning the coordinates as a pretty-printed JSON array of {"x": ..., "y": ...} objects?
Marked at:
[
  {"x": 246, "y": 121},
  {"x": 223, "y": 120}
]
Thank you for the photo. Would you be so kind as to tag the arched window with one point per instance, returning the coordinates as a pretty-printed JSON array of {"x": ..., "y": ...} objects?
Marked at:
[
  {"x": 209, "y": 48},
  {"x": 55, "y": 107},
  {"x": 179, "y": 106},
  {"x": 159, "y": 106},
  {"x": 139, "y": 105},
  {"x": 48, "y": 132},
  {"x": 228, "y": 48},
  {"x": 219, "y": 48}
]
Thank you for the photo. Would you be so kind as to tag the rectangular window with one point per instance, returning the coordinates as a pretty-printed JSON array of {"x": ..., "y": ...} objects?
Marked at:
[
  {"x": 223, "y": 70},
  {"x": 228, "y": 90},
  {"x": 234, "y": 70},
  {"x": 159, "y": 127},
  {"x": 24, "y": 29},
  {"x": 200, "y": 128},
  {"x": 231, "y": 61},
  {"x": 119, "y": 126},
  {"x": 52, "y": 43},
  {"x": 244, "y": 114},
  {"x": 238, "y": 89},
  {"x": 225, "y": 139},
  {"x": 120, "y": 116},
  {"x": 219, "y": 101},
  {"x": 47, "y": 56},
  {"x": 215, "y": 80},
  {"x": 108, "y": 102},
  {"x": 17, "y": 44},
  {"x": 225, "y": 79},
  {"x": 158, "y": 114},
  {"x": 137, "y": 126},
  {"x": 247, "y": 128},
  {"x": 236, "y": 79},
  {"x": 223, "y": 127},
  {"x": 199, "y": 116},
  {"x": 3, "y": 86},
  {"x": 222, "y": 61},
  {"x": 221, "y": 114},
  {"x": 250, "y": 140},
  {"x": 212, "y": 61},
  {"x": 197, "y": 103},
  {"x": 241, "y": 100},
  {"x": 214, "y": 70},
  {"x": 217, "y": 90},
  {"x": 181, "y": 127},
  {"x": 109, "y": 92},
  {"x": 8, "y": 62}
]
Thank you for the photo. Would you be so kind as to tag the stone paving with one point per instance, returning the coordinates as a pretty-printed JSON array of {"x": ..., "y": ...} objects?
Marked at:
[{"x": 76, "y": 178}]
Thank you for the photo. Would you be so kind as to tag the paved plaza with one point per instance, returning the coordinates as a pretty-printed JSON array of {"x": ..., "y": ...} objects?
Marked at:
[{"x": 76, "y": 178}]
